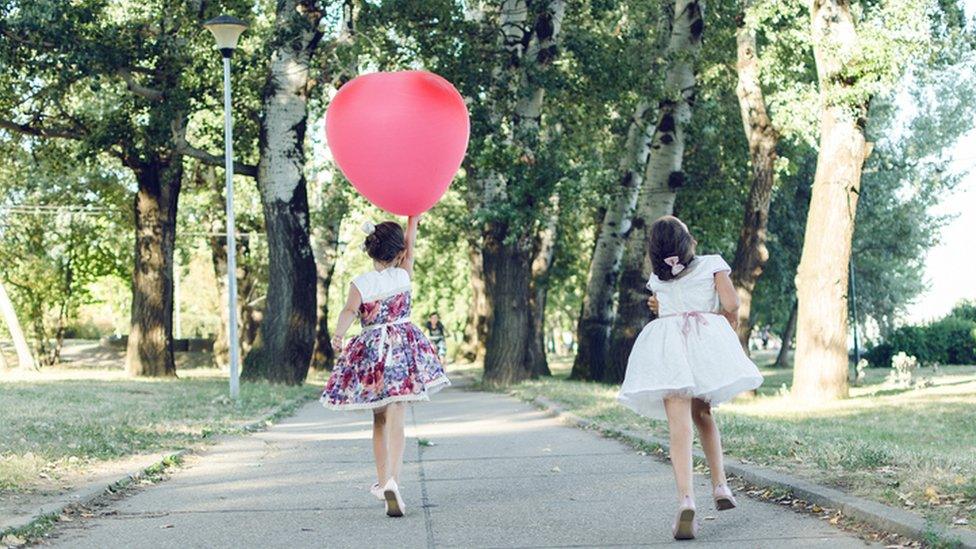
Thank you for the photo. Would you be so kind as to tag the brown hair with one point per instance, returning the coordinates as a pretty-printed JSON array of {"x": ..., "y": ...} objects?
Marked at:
[
  {"x": 385, "y": 242},
  {"x": 670, "y": 237}
]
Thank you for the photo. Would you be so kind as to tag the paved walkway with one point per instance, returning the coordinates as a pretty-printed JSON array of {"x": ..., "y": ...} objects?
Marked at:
[{"x": 499, "y": 474}]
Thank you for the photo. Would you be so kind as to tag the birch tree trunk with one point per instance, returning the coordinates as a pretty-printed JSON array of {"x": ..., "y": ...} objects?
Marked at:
[
  {"x": 149, "y": 351},
  {"x": 751, "y": 253},
  {"x": 25, "y": 359},
  {"x": 283, "y": 350},
  {"x": 663, "y": 177},
  {"x": 821, "y": 364},
  {"x": 530, "y": 46},
  {"x": 593, "y": 328}
]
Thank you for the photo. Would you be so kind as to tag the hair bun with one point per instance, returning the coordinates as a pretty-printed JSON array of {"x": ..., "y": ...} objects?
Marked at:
[{"x": 385, "y": 241}]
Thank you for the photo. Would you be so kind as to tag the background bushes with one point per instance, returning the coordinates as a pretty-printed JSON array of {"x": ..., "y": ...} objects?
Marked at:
[{"x": 949, "y": 340}]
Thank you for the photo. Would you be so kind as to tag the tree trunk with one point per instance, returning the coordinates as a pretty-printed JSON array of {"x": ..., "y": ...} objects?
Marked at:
[
  {"x": 751, "y": 253},
  {"x": 507, "y": 275},
  {"x": 283, "y": 350},
  {"x": 820, "y": 363},
  {"x": 545, "y": 249},
  {"x": 150, "y": 346},
  {"x": 530, "y": 47},
  {"x": 593, "y": 328},
  {"x": 662, "y": 179},
  {"x": 476, "y": 327},
  {"x": 25, "y": 359},
  {"x": 787, "y": 337}
]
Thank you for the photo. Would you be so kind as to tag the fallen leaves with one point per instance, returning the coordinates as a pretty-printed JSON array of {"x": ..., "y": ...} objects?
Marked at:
[{"x": 11, "y": 540}]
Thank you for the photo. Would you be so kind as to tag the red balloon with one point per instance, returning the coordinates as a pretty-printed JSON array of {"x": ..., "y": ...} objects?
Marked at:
[{"x": 399, "y": 137}]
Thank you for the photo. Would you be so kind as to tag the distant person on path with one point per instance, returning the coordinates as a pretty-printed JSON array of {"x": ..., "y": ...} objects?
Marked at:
[
  {"x": 390, "y": 362},
  {"x": 764, "y": 336},
  {"x": 688, "y": 359},
  {"x": 437, "y": 335}
]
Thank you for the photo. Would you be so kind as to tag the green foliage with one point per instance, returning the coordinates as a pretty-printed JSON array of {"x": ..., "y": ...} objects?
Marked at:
[
  {"x": 965, "y": 309},
  {"x": 949, "y": 340},
  {"x": 89, "y": 88},
  {"x": 62, "y": 229},
  {"x": 905, "y": 176}
]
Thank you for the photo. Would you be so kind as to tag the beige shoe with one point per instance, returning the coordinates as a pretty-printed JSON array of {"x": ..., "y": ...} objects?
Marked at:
[
  {"x": 394, "y": 502},
  {"x": 685, "y": 525},
  {"x": 724, "y": 500}
]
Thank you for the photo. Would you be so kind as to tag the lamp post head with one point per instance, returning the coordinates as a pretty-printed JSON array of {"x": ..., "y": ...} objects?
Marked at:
[{"x": 226, "y": 31}]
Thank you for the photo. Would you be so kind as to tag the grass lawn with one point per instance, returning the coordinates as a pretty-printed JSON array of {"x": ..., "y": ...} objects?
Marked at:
[
  {"x": 914, "y": 448},
  {"x": 66, "y": 420}
]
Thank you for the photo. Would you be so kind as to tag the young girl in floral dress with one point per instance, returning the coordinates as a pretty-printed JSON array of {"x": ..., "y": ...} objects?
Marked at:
[
  {"x": 391, "y": 362},
  {"x": 688, "y": 359}
]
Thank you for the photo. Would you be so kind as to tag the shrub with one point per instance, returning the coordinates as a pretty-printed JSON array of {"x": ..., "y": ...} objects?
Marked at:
[{"x": 950, "y": 340}]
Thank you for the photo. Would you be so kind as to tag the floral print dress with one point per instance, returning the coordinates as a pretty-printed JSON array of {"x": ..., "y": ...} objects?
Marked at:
[{"x": 391, "y": 360}]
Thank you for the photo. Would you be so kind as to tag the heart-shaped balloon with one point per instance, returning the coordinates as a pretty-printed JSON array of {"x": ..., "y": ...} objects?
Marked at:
[{"x": 399, "y": 137}]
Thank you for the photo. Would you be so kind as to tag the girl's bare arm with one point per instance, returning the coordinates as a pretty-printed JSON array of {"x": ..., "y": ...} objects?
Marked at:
[
  {"x": 727, "y": 297},
  {"x": 347, "y": 315},
  {"x": 410, "y": 238}
]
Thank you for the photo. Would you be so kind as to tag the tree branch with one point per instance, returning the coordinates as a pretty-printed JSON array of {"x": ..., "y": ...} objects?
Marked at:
[
  {"x": 39, "y": 131},
  {"x": 138, "y": 89},
  {"x": 186, "y": 149}
]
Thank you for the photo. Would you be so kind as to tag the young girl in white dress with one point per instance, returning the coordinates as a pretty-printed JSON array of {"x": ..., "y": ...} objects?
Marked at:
[{"x": 688, "y": 359}]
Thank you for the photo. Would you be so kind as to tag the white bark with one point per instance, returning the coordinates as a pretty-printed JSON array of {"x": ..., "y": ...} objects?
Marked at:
[
  {"x": 288, "y": 325},
  {"x": 593, "y": 330},
  {"x": 287, "y": 103},
  {"x": 25, "y": 359},
  {"x": 662, "y": 178}
]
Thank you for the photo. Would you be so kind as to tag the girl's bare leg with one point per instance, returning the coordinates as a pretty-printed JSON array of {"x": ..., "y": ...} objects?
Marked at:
[
  {"x": 679, "y": 425},
  {"x": 395, "y": 438},
  {"x": 711, "y": 440},
  {"x": 379, "y": 444}
]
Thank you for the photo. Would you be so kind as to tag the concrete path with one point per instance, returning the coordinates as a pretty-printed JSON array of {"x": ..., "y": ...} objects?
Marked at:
[{"x": 499, "y": 474}]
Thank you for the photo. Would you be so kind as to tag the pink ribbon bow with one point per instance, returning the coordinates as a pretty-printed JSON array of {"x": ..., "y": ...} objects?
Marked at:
[
  {"x": 697, "y": 317},
  {"x": 674, "y": 262}
]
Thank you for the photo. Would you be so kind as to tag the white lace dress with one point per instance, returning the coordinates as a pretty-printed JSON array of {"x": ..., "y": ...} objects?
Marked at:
[{"x": 689, "y": 350}]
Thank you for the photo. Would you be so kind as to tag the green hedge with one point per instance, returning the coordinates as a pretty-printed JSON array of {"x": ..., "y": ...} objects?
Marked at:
[{"x": 950, "y": 340}]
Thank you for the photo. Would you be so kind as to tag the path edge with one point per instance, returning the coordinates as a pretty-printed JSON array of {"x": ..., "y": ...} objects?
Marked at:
[
  {"x": 877, "y": 515},
  {"x": 39, "y": 522}
]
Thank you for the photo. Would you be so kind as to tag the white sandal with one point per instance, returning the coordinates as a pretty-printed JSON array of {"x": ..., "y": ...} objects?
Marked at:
[
  {"x": 394, "y": 503},
  {"x": 377, "y": 491}
]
